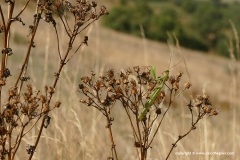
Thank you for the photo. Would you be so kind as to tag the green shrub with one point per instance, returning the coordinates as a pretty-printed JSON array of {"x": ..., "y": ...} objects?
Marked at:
[{"x": 198, "y": 25}]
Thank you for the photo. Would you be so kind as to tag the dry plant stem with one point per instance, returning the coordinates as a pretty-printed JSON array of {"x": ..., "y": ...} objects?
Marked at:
[
  {"x": 62, "y": 63},
  {"x": 9, "y": 143},
  {"x": 59, "y": 53},
  {"x": 24, "y": 7},
  {"x": 140, "y": 137},
  {"x": 136, "y": 139},
  {"x": 25, "y": 63},
  {"x": 6, "y": 36},
  {"x": 181, "y": 137},
  {"x": 38, "y": 138},
  {"x": 110, "y": 133},
  {"x": 4, "y": 45},
  {"x": 18, "y": 142},
  {"x": 169, "y": 105},
  {"x": 28, "y": 53},
  {"x": 11, "y": 116},
  {"x": 67, "y": 29},
  {"x": 130, "y": 119}
]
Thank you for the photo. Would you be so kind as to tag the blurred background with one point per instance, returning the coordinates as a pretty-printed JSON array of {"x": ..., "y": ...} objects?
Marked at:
[{"x": 141, "y": 32}]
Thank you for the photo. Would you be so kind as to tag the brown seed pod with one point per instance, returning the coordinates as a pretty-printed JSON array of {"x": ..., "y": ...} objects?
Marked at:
[
  {"x": 58, "y": 104},
  {"x": 187, "y": 85},
  {"x": 158, "y": 111},
  {"x": 42, "y": 98},
  {"x": 51, "y": 90},
  {"x": 207, "y": 109}
]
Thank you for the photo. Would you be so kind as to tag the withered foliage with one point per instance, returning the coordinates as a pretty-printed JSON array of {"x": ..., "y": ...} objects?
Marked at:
[
  {"x": 132, "y": 89},
  {"x": 25, "y": 107}
]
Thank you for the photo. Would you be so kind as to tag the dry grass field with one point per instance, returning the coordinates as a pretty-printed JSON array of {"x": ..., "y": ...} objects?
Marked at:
[{"x": 78, "y": 132}]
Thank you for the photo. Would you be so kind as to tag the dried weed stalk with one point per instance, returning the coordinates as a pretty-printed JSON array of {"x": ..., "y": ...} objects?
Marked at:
[
  {"x": 25, "y": 108},
  {"x": 133, "y": 89}
]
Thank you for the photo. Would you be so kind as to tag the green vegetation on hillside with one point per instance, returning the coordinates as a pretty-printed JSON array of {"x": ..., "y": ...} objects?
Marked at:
[{"x": 200, "y": 25}]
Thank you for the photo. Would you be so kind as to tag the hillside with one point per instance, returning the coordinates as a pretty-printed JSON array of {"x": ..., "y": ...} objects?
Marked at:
[{"x": 120, "y": 51}]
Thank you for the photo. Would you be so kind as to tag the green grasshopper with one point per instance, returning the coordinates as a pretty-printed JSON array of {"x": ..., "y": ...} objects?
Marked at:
[{"x": 154, "y": 95}]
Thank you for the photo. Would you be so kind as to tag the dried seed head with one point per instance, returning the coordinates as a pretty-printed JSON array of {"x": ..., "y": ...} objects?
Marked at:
[
  {"x": 79, "y": 23},
  {"x": 171, "y": 79},
  {"x": 85, "y": 79},
  {"x": 111, "y": 82},
  {"x": 198, "y": 103},
  {"x": 93, "y": 4},
  {"x": 85, "y": 90},
  {"x": 205, "y": 97},
  {"x": 83, "y": 101},
  {"x": 29, "y": 89},
  {"x": 109, "y": 89},
  {"x": 125, "y": 81},
  {"x": 103, "y": 11},
  {"x": 151, "y": 86},
  {"x": 81, "y": 86},
  {"x": 12, "y": 92},
  {"x": 110, "y": 73},
  {"x": 134, "y": 91},
  {"x": 51, "y": 90},
  {"x": 162, "y": 94},
  {"x": 45, "y": 108},
  {"x": 179, "y": 75},
  {"x": 112, "y": 97},
  {"x": 144, "y": 75},
  {"x": 3, "y": 130},
  {"x": 176, "y": 86},
  {"x": 207, "y": 109},
  {"x": 122, "y": 74},
  {"x": 214, "y": 112},
  {"x": 187, "y": 85},
  {"x": 126, "y": 88},
  {"x": 8, "y": 114},
  {"x": 58, "y": 104},
  {"x": 2, "y": 82},
  {"x": 160, "y": 97},
  {"x": 129, "y": 71},
  {"x": 118, "y": 92},
  {"x": 83, "y": 1},
  {"x": 42, "y": 98},
  {"x": 15, "y": 101},
  {"x": 136, "y": 69},
  {"x": 133, "y": 83},
  {"x": 103, "y": 101},
  {"x": 97, "y": 86},
  {"x": 118, "y": 82},
  {"x": 46, "y": 89},
  {"x": 92, "y": 15},
  {"x": 85, "y": 41},
  {"x": 158, "y": 111},
  {"x": 137, "y": 144},
  {"x": 6, "y": 73},
  {"x": 199, "y": 98}
]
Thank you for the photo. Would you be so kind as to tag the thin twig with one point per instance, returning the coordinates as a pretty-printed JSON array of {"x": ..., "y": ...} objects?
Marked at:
[
  {"x": 22, "y": 10},
  {"x": 181, "y": 137},
  {"x": 159, "y": 124},
  {"x": 111, "y": 134},
  {"x": 59, "y": 53}
]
